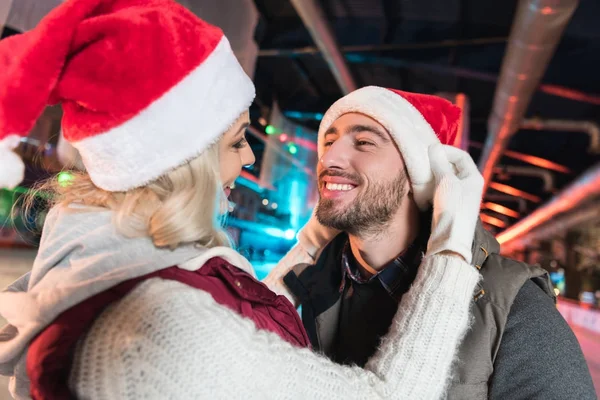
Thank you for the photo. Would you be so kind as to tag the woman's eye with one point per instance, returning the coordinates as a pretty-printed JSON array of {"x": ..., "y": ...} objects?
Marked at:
[{"x": 242, "y": 143}]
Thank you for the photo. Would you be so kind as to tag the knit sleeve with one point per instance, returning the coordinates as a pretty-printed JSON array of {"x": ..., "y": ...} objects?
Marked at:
[{"x": 167, "y": 340}]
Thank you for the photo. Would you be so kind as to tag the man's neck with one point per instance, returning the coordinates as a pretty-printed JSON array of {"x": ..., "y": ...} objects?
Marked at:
[{"x": 375, "y": 250}]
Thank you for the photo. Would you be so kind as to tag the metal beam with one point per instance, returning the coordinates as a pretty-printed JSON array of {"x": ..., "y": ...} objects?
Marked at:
[
  {"x": 311, "y": 50},
  {"x": 529, "y": 159},
  {"x": 467, "y": 73},
  {"x": 314, "y": 19},
  {"x": 587, "y": 186},
  {"x": 536, "y": 31},
  {"x": 499, "y": 208},
  {"x": 561, "y": 125},
  {"x": 537, "y": 172},
  {"x": 501, "y": 187},
  {"x": 506, "y": 197},
  {"x": 488, "y": 219}
]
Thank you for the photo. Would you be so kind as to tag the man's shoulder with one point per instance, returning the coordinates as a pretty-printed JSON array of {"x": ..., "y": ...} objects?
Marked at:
[
  {"x": 503, "y": 278},
  {"x": 539, "y": 356}
]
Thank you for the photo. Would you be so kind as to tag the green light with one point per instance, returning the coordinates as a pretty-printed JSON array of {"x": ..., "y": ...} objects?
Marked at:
[
  {"x": 270, "y": 129},
  {"x": 64, "y": 178},
  {"x": 6, "y": 204},
  {"x": 292, "y": 149}
]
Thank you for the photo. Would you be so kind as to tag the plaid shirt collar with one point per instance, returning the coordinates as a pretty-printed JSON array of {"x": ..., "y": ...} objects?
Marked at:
[{"x": 396, "y": 277}]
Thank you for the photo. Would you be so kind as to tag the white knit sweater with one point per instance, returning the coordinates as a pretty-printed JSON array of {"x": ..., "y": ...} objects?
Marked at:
[{"x": 168, "y": 340}]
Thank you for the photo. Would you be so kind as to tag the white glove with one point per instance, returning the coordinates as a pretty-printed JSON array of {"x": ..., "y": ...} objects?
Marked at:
[{"x": 456, "y": 200}]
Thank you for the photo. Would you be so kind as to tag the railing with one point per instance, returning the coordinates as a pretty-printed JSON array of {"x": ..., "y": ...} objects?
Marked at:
[{"x": 580, "y": 314}]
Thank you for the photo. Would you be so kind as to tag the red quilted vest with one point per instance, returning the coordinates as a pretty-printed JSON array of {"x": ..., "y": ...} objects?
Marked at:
[{"x": 50, "y": 354}]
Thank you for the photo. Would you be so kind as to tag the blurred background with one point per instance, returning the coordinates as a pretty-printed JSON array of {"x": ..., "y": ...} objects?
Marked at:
[{"x": 524, "y": 72}]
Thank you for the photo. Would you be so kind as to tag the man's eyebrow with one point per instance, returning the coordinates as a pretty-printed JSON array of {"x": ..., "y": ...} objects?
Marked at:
[
  {"x": 368, "y": 128},
  {"x": 331, "y": 131}
]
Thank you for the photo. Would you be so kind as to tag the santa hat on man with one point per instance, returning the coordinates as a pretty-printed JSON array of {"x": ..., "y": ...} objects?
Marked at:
[
  {"x": 145, "y": 86},
  {"x": 415, "y": 121}
]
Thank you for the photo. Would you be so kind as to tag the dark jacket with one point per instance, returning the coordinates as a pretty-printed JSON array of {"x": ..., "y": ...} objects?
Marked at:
[{"x": 484, "y": 368}]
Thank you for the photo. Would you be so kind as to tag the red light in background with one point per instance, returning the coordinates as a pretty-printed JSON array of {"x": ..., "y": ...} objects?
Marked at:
[
  {"x": 501, "y": 209},
  {"x": 514, "y": 192},
  {"x": 488, "y": 219}
]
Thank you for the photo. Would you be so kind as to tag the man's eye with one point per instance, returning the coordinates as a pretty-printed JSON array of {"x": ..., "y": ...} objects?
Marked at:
[{"x": 363, "y": 143}]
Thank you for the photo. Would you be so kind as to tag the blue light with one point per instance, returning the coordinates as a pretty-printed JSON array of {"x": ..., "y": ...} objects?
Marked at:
[
  {"x": 303, "y": 115},
  {"x": 275, "y": 232},
  {"x": 294, "y": 114},
  {"x": 249, "y": 184},
  {"x": 289, "y": 234}
]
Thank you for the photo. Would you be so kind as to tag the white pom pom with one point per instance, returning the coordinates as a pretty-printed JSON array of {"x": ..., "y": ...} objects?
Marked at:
[{"x": 12, "y": 169}]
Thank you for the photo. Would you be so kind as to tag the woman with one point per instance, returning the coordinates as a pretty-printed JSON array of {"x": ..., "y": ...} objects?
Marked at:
[{"x": 135, "y": 291}]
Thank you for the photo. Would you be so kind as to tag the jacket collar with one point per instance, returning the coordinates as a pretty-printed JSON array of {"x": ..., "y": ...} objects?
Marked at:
[
  {"x": 484, "y": 244},
  {"x": 322, "y": 279}
]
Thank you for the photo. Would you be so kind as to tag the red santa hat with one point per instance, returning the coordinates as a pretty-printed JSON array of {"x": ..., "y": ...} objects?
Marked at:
[
  {"x": 145, "y": 86},
  {"x": 415, "y": 121}
]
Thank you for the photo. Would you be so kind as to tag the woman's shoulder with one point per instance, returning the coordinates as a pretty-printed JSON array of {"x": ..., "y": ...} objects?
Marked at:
[
  {"x": 161, "y": 327},
  {"x": 156, "y": 303},
  {"x": 155, "y": 294}
]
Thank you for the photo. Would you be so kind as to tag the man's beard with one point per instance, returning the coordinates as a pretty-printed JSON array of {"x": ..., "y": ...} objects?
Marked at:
[{"x": 369, "y": 212}]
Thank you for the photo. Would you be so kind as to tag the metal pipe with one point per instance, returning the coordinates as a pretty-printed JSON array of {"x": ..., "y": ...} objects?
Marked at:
[
  {"x": 462, "y": 138},
  {"x": 536, "y": 31},
  {"x": 589, "y": 127},
  {"x": 501, "y": 187},
  {"x": 568, "y": 93},
  {"x": 4, "y": 11},
  {"x": 507, "y": 197},
  {"x": 312, "y": 15},
  {"x": 499, "y": 208},
  {"x": 555, "y": 228},
  {"x": 584, "y": 188},
  {"x": 488, "y": 219},
  {"x": 529, "y": 159},
  {"x": 553, "y": 90},
  {"x": 383, "y": 47},
  {"x": 546, "y": 176}
]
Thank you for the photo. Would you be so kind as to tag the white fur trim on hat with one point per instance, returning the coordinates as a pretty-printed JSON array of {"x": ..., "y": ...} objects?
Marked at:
[
  {"x": 407, "y": 126},
  {"x": 174, "y": 129},
  {"x": 12, "y": 169}
]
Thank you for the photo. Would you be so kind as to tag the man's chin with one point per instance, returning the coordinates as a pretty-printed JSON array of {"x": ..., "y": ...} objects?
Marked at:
[{"x": 331, "y": 218}]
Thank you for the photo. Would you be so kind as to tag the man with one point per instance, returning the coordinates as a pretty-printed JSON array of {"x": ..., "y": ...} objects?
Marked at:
[{"x": 374, "y": 185}]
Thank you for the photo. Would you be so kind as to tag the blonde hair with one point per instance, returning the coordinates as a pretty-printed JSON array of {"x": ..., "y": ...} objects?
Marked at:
[{"x": 183, "y": 206}]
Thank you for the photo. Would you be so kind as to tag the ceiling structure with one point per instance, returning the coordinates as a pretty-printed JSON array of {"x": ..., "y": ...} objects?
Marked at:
[
  {"x": 433, "y": 46},
  {"x": 450, "y": 46}
]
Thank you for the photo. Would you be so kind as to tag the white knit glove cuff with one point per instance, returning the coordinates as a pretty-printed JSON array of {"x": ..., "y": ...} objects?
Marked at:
[{"x": 456, "y": 201}]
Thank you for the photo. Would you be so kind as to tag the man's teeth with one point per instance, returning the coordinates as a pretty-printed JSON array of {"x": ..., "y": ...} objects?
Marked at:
[{"x": 339, "y": 186}]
